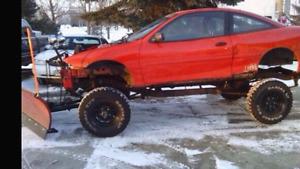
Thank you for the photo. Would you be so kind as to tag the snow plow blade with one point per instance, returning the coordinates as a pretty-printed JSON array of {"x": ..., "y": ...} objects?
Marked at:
[{"x": 35, "y": 114}]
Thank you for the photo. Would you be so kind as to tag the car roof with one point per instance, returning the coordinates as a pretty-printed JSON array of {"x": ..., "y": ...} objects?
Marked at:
[
  {"x": 211, "y": 9},
  {"x": 229, "y": 10},
  {"x": 89, "y": 36}
]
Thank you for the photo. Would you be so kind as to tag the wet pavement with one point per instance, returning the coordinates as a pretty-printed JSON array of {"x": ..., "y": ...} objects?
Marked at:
[{"x": 204, "y": 132}]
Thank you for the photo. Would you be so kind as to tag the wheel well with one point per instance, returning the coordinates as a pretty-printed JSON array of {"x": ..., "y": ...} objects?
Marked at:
[
  {"x": 109, "y": 68},
  {"x": 278, "y": 56},
  {"x": 271, "y": 65}
]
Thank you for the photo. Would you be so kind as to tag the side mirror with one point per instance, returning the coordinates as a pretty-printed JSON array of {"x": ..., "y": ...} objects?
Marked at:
[{"x": 158, "y": 37}]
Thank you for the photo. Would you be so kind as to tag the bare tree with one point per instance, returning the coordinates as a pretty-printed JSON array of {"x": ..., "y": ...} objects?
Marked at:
[
  {"x": 55, "y": 9},
  {"x": 296, "y": 20},
  {"x": 90, "y": 5}
]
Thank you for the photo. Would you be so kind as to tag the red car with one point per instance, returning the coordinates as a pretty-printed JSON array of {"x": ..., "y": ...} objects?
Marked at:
[
  {"x": 196, "y": 45},
  {"x": 237, "y": 52}
]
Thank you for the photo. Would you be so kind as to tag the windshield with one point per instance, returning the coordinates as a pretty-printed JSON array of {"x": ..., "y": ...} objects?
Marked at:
[{"x": 145, "y": 30}]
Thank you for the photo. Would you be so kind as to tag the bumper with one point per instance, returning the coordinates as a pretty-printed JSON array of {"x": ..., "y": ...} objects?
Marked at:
[{"x": 47, "y": 72}]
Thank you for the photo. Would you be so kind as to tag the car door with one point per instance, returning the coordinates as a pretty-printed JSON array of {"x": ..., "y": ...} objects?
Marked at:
[
  {"x": 251, "y": 37},
  {"x": 194, "y": 47}
]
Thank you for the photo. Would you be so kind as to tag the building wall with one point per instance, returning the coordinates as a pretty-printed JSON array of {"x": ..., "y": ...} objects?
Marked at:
[
  {"x": 261, "y": 7},
  {"x": 293, "y": 11}
]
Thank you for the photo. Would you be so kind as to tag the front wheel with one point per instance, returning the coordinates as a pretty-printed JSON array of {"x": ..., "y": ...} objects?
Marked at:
[
  {"x": 269, "y": 101},
  {"x": 104, "y": 112}
]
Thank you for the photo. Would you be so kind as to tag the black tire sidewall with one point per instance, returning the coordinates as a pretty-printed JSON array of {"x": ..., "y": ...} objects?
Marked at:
[
  {"x": 105, "y": 95},
  {"x": 272, "y": 86}
]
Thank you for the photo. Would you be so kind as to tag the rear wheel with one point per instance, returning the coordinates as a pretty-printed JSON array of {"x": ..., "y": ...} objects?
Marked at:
[
  {"x": 269, "y": 101},
  {"x": 104, "y": 112}
]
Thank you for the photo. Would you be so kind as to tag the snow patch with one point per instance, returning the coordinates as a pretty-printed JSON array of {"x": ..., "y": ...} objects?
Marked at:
[
  {"x": 286, "y": 142},
  {"x": 115, "y": 149},
  {"x": 31, "y": 140},
  {"x": 68, "y": 30},
  {"x": 27, "y": 67},
  {"x": 190, "y": 152},
  {"x": 116, "y": 33},
  {"x": 223, "y": 164}
]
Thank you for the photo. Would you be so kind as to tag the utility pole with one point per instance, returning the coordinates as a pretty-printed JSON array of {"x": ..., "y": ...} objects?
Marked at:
[
  {"x": 89, "y": 22},
  {"x": 287, "y": 7}
]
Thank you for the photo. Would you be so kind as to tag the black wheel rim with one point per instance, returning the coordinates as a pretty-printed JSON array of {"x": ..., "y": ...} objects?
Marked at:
[
  {"x": 104, "y": 114},
  {"x": 273, "y": 104}
]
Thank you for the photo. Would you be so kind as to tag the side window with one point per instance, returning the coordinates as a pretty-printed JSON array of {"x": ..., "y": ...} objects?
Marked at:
[
  {"x": 243, "y": 23},
  {"x": 193, "y": 26}
]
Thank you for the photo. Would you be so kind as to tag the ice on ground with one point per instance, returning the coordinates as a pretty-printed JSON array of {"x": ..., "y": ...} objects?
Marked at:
[
  {"x": 160, "y": 121},
  {"x": 223, "y": 164},
  {"x": 288, "y": 143},
  {"x": 136, "y": 158},
  {"x": 31, "y": 140},
  {"x": 190, "y": 152}
]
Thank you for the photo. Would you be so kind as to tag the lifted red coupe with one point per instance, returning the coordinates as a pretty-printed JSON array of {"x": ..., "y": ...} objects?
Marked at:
[{"x": 239, "y": 53}]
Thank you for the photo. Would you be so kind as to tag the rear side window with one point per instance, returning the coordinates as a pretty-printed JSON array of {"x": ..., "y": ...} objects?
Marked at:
[{"x": 242, "y": 23}]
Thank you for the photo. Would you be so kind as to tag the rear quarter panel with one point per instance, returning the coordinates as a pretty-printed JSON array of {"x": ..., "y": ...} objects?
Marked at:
[{"x": 249, "y": 48}]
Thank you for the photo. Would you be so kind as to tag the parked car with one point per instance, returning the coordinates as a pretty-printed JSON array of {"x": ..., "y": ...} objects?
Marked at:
[
  {"x": 49, "y": 72},
  {"x": 38, "y": 43},
  {"x": 220, "y": 47}
]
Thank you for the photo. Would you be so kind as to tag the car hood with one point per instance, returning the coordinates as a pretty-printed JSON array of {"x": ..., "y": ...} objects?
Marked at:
[
  {"x": 48, "y": 54},
  {"x": 103, "y": 52}
]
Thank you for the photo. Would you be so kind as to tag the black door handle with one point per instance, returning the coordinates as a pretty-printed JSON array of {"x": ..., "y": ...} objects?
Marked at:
[{"x": 221, "y": 44}]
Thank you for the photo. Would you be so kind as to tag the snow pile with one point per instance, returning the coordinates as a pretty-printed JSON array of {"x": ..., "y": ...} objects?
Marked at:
[
  {"x": 68, "y": 30},
  {"x": 116, "y": 33}
]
